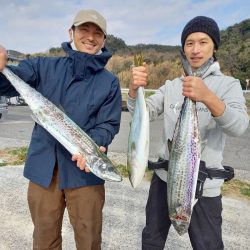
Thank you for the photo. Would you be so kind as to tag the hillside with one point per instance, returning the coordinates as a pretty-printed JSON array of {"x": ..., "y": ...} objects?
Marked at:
[
  {"x": 163, "y": 60},
  {"x": 234, "y": 53}
]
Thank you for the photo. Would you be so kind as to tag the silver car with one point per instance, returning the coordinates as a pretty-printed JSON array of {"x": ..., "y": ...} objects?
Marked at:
[{"x": 3, "y": 107}]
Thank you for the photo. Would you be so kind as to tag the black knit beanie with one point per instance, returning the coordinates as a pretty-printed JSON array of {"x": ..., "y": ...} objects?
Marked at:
[{"x": 202, "y": 24}]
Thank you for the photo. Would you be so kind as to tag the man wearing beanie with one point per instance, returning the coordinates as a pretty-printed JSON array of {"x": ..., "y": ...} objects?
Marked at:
[
  {"x": 90, "y": 95},
  {"x": 221, "y": 112}
]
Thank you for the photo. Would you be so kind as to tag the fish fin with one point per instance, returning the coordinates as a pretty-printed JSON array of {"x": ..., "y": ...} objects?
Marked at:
[
  {"x": 169, "y": 145},
  {"x": 138, "y": 60},
  {"x": 194, "y": 202},
  {"x": 203, "y": 145},
  {"x": 176, "y": 107},
  {"x": 36, "y": 120},
  {"x": 61, "y": 108}
]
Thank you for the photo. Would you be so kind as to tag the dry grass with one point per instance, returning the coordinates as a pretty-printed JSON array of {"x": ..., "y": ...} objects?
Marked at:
[
  {"x": 13, "y": 156},
  {"x": 235, "y": 188}
]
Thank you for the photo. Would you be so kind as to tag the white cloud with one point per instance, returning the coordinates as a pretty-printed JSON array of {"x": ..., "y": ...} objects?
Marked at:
[{"x": 33, "y": 26}]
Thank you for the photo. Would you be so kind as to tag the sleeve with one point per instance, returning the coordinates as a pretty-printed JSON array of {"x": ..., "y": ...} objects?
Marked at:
[
  {"x": 26, "y": 71},
  {"x": 234, "y": 121},
  {"x": 109, "y": 117},
  {"x": 155, "y": 103}
]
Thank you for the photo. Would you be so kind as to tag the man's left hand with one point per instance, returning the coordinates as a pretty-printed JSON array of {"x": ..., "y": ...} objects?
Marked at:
[
  {"x": 81, "y": 161},
  {"x": 195, "y": 89}
]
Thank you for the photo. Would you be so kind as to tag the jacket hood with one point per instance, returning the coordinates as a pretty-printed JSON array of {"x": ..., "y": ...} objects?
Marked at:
[
  {"x": 214, "y": 69},
  {"x": 84, "y": 63}
]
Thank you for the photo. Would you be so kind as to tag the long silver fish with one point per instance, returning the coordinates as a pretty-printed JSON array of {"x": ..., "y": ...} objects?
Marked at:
[
  {"x": 138, "y": 143},
  {"x": 66, "y": 131},
  {"x": 184, "y": 159}
]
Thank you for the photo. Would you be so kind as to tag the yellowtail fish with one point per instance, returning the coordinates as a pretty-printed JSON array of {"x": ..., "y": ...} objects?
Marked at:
[
  {"x": 66, "y": 131},
  {"x": 138, "y": 143},
  {"x": 184, "y": 159}
]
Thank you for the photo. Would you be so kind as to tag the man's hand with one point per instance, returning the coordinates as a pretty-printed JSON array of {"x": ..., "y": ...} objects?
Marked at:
[
  {"x": 81, "y": 161},
  {"x": 139, "y": 78},
  {"x": 195, "y": 89},
  {"x": 3, "y": 58}
]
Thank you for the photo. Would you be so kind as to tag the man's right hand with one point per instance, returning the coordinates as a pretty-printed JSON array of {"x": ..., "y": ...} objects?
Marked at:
[
  {"x": 139, "y": 78},
  {"x": 3, "y": 58}
]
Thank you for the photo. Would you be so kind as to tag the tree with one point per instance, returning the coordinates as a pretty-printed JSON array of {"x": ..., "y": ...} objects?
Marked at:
[{"x": 114, "y": 44}]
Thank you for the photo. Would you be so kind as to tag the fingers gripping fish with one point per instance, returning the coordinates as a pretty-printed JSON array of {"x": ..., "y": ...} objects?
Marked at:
[
  {"x": 138, "y": 143},
  {"x": 184, "y": 159},
  {"x": 66, "y": 131}
]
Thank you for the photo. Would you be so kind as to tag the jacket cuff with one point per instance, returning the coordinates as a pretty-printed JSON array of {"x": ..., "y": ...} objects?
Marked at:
[
  {"x": 131, "y": 103},
  {"x": 226, "y": 118}
]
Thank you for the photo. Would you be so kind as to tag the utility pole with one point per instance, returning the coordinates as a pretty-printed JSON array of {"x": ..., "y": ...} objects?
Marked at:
[{"x": 247, "y": 83}]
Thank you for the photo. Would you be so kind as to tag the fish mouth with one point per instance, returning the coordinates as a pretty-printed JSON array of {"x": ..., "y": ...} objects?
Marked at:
[
  {"x": 133, "y": 181},
  {"x": 103, "y": 168},
  {"x": 180, "y": 226},
  {"x": 113, "y": 177},
  {"x": 117, "y": 179},
  {"x": 110, "y": 173}
]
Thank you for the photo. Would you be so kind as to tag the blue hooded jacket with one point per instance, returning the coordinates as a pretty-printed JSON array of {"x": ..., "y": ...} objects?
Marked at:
[{"x": 89, "y": 94}]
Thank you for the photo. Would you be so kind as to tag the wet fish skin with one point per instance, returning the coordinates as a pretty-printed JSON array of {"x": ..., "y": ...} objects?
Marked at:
[
  {"x": 184, "y": 159},
  {"x": 138, "y": 143},
  {"x": 66, "y": 131}
]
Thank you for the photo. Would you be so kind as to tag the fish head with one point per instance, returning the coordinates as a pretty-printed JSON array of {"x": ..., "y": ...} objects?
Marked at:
[
  {"x": 180, "y": 220},
  {"x": 181, "y": 226},
  {"x": 103, "y": 168}
]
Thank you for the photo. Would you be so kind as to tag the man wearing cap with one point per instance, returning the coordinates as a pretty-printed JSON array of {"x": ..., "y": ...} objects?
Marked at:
[
  {"x": 90, "y": 95},
  {"x": 221, "y": 112}
]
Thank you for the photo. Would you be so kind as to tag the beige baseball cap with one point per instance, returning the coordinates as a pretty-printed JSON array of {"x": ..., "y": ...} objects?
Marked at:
[{"x": 92, "y": 16}]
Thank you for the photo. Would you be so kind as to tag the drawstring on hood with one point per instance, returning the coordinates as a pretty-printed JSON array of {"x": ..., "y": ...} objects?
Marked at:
[{"x": 83, "y": 63}]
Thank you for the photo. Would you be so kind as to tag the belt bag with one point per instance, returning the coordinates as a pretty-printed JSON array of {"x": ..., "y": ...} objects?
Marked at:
[{"x": 227, "y": 173}]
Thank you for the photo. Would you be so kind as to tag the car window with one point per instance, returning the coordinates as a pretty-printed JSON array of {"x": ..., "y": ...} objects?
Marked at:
[{"x": 3, "y": 100}]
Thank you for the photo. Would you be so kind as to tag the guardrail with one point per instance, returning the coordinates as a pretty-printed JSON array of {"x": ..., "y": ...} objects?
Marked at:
[
  {"x": 124, "y": 97},
  {"x": 125, "y": 90}
]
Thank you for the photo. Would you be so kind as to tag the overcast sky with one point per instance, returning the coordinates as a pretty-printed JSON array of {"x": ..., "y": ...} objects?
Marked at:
[{"x": 31, "y": 26}]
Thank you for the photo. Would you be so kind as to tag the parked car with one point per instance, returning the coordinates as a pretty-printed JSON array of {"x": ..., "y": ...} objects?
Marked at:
[
  {"x": 3, "y": 107},
  {"x": 16, "y": 101}
]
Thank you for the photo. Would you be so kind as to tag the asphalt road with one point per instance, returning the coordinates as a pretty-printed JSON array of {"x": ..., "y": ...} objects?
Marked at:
[
  {"x": 123, "y": 215},
  {"x": 19, "y": 125}
]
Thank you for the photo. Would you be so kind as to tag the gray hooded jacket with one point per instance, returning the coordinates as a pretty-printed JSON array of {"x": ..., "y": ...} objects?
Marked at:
[{"x": 168, "y": 100}]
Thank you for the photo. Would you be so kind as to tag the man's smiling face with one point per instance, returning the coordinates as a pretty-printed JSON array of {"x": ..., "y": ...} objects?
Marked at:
[
  {"x": 198, "y": 48},
  {"x": 88, "y": 38}
]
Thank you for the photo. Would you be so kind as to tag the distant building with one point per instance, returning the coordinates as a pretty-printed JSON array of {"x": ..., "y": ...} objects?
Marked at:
[{"x": 15, "y": 56}]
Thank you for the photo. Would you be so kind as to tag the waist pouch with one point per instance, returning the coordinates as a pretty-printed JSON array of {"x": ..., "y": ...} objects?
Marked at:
[{"x": 227, "y": 173}]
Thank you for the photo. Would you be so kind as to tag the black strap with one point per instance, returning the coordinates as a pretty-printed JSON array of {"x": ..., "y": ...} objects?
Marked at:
[
  {"x": 227, "y": 173},
  {"x": 213, "y": 173},
  {"x": 202, "y": 176},
  {"x": 160, "y": 164}
]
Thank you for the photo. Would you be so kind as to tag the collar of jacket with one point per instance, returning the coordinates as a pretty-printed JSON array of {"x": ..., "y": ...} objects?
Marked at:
[
  {"x": 214, "y": 69},
  {"x": 84, "y": 64}
]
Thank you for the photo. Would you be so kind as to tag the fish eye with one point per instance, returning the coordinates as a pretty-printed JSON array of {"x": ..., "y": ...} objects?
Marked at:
[{"x": 104, "y": 166}]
